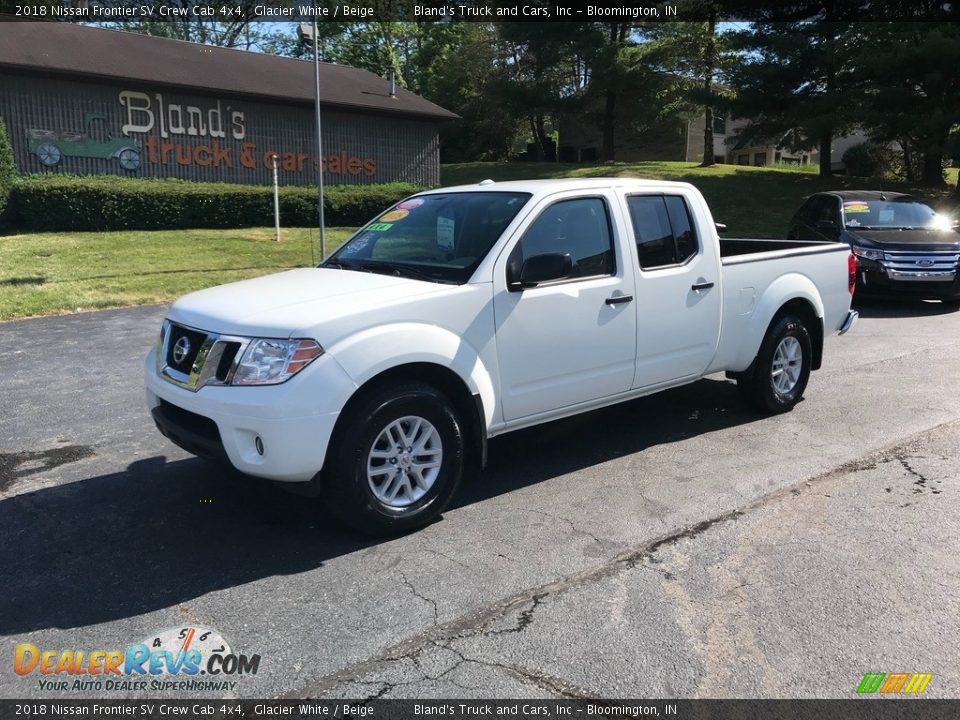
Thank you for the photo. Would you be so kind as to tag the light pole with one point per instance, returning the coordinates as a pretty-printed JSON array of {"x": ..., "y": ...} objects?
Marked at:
[{"x": 307, "y": 33}]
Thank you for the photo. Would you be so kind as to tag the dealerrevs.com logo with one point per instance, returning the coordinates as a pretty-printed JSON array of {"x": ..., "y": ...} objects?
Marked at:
[{"x": 188, "y": 658}]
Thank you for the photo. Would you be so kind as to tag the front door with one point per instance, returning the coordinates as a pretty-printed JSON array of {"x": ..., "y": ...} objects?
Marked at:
[{"x": 572, "y": 340}]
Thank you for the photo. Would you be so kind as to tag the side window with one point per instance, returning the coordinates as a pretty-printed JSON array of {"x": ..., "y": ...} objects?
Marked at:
[
  {"x": 822, "y": 209},
  {"x": 832, "y": 211},
  {"x": 683, "y": 231},
  {"x": 806, "y": 212},
  {"x": 580, "y": 227},
  {"x": 663, "y": 230}
]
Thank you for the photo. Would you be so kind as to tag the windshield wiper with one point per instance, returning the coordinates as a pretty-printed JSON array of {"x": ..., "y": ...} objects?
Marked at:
[
  {"x": 340, "y": 265},
  {"x": 386, "y": 268},
  {"x": 401, "y": 270}
]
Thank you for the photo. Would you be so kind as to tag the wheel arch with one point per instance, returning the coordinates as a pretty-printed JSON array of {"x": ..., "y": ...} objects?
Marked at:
[
  {"x": 468, "y": 405},
  {"x": 804, "y": 309},
  {"x": 794, "y": 293}
]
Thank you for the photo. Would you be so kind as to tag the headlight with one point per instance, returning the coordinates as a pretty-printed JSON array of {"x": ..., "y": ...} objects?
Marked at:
[
  {"x": 867, "y": 253},
  {"x": 266, "y": 361}
]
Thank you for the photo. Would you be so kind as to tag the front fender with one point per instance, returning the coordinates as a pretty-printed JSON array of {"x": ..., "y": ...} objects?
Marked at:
[{"x": 366, "y": 354}]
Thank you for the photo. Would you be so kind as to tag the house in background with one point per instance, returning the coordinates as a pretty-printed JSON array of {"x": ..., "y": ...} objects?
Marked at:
[{"x": 581, "y": 140}]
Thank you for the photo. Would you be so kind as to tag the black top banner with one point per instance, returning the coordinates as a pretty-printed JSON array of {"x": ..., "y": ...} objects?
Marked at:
[
  {"x": 477, "y": 10},
  {"x": 383, "y": 709}
]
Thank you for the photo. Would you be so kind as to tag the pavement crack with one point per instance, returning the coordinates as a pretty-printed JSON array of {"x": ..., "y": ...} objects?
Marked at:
[
  {"x": 524, "y": 619},
  {"x": 540, "y": 680},
  {"x": 417, "y": 594},
  {"x": 921, "y": 480},
  {"x": 568, "y": 521},
  {"x": 446, "y": 557}
]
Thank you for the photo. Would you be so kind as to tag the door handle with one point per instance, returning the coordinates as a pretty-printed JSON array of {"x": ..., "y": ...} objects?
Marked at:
[
  {"x": 701, "y": 286},
  {"x": 617, "y": 299}
]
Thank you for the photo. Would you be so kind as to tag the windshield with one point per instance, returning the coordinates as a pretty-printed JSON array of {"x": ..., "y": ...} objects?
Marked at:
[
  {"x": 890, "y": 214},
  {"x": 440, "y": 237}
]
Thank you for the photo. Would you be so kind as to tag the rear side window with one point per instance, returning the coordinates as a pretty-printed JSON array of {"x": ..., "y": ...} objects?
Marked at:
[
  {"x": 662, "y": 229},
  {"x": 580, "y": 227}
]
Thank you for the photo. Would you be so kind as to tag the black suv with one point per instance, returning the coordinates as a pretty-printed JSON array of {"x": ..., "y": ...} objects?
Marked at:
[{"x": 903, "y": 246}]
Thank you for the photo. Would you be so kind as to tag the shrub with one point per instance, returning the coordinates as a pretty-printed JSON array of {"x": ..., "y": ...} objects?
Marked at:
[
  {"x": 63, "y": 202},
  {"x": 8, "y": 170},
  {"x": 867, "y": 159}
]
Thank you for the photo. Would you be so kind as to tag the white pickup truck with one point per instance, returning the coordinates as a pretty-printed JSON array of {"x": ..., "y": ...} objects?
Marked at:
[{"x": 467, "y": 312}]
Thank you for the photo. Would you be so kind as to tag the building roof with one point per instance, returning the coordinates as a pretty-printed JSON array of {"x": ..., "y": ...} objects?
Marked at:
[{"x": 55, "y": 48}]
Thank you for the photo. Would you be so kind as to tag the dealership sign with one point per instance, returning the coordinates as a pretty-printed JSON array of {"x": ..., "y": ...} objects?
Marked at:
[
  {"x": 165, "y": 125},
  {"x": 158, "y": 132}
]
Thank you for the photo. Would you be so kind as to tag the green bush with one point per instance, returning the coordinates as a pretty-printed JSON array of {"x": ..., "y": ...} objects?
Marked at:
[
  {"x": 8, "y": 170},
  {"x": 867, "y": 159},
  {"x": 64, "y": 202}
]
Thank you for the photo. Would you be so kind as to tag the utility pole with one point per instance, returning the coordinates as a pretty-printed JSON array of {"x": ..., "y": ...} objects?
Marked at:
[
  {"x": 276, "y": 199},
  {"x": 308, "y": 34}
]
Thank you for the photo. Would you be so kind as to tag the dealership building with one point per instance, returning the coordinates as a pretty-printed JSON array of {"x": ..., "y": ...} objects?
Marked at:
[{"x": 86, "y": 100}]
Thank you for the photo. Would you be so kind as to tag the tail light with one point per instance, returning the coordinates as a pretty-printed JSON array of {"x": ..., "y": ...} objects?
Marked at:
[{"x": 851, "y": 273}]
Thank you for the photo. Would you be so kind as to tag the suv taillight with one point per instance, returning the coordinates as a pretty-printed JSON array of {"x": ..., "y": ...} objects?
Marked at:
[{"x": 851, "y": 273}]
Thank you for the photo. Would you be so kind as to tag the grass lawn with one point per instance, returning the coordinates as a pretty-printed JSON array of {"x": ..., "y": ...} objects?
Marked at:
[
  {"x": 49, "y": 273},
  {"x": 752, "y": 201}
]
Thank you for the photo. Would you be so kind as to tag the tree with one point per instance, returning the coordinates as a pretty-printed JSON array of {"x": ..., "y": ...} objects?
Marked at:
[
  {"x": 696, "y": 56},
  {"x": 461, "y": 66},
  {"x": 540, "y": 77},
  {"x": 183, "y": 23},
  {"x": 910, "y": 91},
  {"x": 798, "y": 77}
]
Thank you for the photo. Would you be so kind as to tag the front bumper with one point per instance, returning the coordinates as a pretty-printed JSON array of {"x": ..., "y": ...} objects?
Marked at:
[
  {"x": 293, "y": 421},
  {"x": 874, "y": 279}
]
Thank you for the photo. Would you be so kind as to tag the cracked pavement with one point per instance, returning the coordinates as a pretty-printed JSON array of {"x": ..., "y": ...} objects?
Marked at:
[{"x": 674, "y": 546}]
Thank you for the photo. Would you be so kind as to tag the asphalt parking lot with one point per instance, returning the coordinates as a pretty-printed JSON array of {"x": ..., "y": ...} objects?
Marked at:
[{"x": 677, "y": 545}]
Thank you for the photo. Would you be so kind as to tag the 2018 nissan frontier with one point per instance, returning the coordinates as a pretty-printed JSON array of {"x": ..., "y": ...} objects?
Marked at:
[{"x": 464, "y": 313}]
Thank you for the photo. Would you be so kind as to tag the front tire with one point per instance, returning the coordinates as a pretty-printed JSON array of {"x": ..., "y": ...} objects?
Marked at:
[
  {"x": 780, "y": 372},
  {"x": 397, "y": 461}
]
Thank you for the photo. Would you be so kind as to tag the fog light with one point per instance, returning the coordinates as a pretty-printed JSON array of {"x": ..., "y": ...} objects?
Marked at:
[{"x": 258, "y": 443}]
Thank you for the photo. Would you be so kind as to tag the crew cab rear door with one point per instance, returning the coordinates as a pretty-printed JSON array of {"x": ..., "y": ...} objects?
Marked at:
[
  {"x": 678, "y": 295},
  {"x": 572, "y": 340}
]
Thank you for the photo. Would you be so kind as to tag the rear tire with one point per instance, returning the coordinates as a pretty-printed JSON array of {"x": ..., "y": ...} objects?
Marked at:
[
  {"x": 397, "y": 461},
  {"x": 779, "y": 374}
]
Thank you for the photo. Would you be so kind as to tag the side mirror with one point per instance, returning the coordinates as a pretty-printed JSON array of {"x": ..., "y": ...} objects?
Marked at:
[
  {"x": 545, "y": 268},
  {"x": 827, "y": 226},
  {"x": 721, "y": 228}
]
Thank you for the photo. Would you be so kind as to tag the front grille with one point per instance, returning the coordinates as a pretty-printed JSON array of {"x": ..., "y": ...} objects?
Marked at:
[
  {"x": 900, "y": 263},
  {"x": 230, "y": 350},
  {"x": 209, "y": 359},
  {"x": 190, "y": 340}
]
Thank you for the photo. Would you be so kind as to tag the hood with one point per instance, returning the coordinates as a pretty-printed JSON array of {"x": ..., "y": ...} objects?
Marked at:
[
  {"x": 908, "y": 239},
  {"x": 289, "y": 303}
]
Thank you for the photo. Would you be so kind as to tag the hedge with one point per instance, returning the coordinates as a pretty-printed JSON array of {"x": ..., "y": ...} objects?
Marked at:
[
  {"x": 65, "y": 202},
  {"x": 8, "y": 170}
]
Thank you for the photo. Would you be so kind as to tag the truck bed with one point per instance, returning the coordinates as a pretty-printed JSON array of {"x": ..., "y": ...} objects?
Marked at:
[
  {"x": 738, "y": 247},
  {"x": 799, "y": 268}
]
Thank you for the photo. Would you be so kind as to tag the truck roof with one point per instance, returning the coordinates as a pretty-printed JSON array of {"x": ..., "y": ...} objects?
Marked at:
[{"x": 546, "y": 187}]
